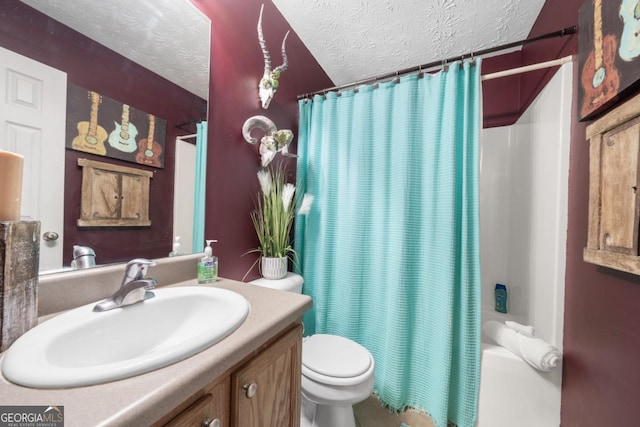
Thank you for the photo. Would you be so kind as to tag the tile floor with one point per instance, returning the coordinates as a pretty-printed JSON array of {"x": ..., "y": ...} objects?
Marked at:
[{"x": 371, "y": 413}]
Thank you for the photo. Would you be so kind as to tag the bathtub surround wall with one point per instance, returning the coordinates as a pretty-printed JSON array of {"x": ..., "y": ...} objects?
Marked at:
[
  {"x": 523, "y": 209},
  {"x": 523, "y": 223},
  {"x": 19, "y": 257}
]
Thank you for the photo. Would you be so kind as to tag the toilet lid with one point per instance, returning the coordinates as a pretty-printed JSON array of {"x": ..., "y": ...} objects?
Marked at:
[{"x": 335, "y": 356}]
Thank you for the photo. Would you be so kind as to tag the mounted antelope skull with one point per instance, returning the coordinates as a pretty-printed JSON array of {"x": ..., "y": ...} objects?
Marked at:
[
  {"x": 272, "y": 142},
  {"x": 269, "y": 81}
]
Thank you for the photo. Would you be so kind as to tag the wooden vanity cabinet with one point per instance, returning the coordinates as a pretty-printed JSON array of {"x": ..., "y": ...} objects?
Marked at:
[
  {"x": 209, "y": 410},
  {"x": 263, "y": 390},
  {"x": 266, "y": 389}
]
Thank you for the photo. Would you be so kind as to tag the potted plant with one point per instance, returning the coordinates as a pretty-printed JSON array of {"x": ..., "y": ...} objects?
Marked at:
[{"x": 272, "y": 219}]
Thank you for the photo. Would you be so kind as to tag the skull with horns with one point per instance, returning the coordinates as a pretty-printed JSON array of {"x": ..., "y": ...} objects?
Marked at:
[
  {"x": 269, "y": 81},
  {"x": 273, "y": 142}
]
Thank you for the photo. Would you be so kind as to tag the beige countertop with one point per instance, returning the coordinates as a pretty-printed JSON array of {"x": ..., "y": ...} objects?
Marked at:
[{"x": 143, "y": 399}]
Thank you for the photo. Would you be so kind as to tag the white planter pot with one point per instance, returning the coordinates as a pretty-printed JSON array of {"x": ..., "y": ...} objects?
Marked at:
[{"x": 274, "y": 268}]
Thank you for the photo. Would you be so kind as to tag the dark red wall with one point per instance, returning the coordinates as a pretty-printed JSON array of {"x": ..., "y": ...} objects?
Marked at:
[
  {"x": 501, "y": 97},
  {"x": 92, "y": 66},
  {"x": 236, "y": 68},
  {"x": 601, "y": 378}
]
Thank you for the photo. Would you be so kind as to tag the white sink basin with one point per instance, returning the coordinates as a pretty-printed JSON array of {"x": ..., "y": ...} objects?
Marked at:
[{"x": 82, "y": 347}]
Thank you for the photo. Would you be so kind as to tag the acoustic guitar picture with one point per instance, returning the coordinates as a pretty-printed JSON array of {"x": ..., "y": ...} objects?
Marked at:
[
  {"x": 91, "y": 136},
  {"x": 123, "y": 137},
  {"x": 600, "y": 79},
  {"x": 629, "y": 40},
  {"x": 149, "y": 150}
]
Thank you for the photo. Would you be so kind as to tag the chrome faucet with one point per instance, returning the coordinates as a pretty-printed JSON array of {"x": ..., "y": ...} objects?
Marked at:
[
  {"x": 135, "y": 286},
  {"x": 83, "y": 257}
]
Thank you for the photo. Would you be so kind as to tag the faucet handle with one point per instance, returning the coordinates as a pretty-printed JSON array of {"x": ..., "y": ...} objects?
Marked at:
[{"x": 136, "y": 269}]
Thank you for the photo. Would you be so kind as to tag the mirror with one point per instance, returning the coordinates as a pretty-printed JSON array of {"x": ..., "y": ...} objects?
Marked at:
[{"x": 151, "y": 54}]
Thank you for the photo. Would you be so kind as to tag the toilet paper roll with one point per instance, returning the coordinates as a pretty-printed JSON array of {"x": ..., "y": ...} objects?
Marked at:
[{"x": 11, "y": 165}]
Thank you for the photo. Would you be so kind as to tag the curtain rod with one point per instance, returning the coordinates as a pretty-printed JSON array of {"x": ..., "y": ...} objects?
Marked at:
[
  {"x": 423, "y": 67},
  {"x": 527, "y": 68},
  {"x": 183, "y": 137}
]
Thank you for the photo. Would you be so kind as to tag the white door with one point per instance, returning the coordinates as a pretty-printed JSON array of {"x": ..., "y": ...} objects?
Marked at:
[
  {"x": 183, "y": 194},
  {"x": 32, "y": 123}
]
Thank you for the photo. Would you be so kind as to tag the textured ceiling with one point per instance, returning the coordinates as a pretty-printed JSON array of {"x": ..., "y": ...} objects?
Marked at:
[
  {"x": 168, "y": 37},
  {"x": 351, "y": 39},
  {"x": 356, "y": 39}
]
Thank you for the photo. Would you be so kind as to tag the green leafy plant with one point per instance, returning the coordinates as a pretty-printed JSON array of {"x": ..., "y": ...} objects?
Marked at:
[{"x": 274, "y": 214}]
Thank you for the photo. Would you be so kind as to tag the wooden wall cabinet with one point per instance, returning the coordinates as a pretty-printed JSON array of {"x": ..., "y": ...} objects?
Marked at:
[
  {"x": 113, "y": 195},
  {"x": 263, "y": 391},
  {"x": 614, "y": 193}
]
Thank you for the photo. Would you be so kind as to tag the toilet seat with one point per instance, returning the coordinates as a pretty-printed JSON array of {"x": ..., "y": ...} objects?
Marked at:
[{"x": 335, "y": 360}]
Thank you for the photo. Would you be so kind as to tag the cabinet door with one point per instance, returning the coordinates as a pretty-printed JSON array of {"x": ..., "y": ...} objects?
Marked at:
[
  {"x": 210, "y": 410},
  {"x": 266, "y": 390},
  {"x": 104, "y": 191},
  {"x": 134, "y": 197},
  {"x": 619, "y": 189},
  {"x": 114, "y": 195}
]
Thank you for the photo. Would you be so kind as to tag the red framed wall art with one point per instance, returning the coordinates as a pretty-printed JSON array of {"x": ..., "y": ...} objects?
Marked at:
[{"x": 609, "y": 51}]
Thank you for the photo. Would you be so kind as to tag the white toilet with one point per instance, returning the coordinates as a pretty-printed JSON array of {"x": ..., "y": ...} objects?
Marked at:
[{"x": 337, "y": 372}]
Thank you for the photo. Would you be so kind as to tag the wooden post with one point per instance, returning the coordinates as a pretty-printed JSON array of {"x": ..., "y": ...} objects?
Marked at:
[{"x": 19, "y": 258}]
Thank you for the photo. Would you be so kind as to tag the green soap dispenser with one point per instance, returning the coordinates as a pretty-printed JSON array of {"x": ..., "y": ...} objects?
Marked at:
[{"x": 208, "y": 265}]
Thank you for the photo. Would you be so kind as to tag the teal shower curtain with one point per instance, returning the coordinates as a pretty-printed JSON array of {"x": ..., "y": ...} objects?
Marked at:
[
  {"x": 200, "y": 188},
  {"x": 390, "y": 249}
]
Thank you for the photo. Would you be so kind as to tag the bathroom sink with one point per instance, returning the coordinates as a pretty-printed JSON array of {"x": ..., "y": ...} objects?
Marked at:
[{"x": 82, "y": 347}]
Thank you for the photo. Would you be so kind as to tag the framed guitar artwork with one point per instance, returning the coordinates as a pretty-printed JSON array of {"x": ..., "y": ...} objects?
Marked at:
[
  {"x": 609, "y": 54},
  {"x": 123, "y": 136},
  {"x": 149, "y": 149},
  {"x": 91, "y": 135},
  {"x": 105, "y": 127}
]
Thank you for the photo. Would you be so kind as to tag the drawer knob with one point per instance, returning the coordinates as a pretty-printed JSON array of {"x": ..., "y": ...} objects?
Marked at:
[
  {"x": 250, "y": 389},
  {"x": 50, "y": 236},
  {"x": 208, "y": 422}
]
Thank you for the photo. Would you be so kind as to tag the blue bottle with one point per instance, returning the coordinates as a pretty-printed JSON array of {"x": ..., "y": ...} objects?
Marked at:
[{"x": 501, "y": 298}]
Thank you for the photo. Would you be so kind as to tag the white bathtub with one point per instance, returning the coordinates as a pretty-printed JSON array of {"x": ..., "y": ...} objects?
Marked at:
[{"x": 512, "y": 393}]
